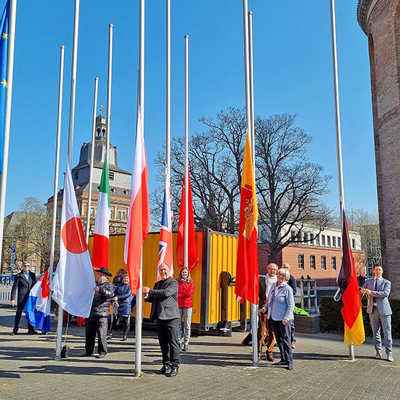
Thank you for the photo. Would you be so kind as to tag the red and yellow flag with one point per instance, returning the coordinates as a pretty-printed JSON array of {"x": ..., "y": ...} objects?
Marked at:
[
  {"x": 348, "y": 288},
  {"x": 246, "y": 287}
]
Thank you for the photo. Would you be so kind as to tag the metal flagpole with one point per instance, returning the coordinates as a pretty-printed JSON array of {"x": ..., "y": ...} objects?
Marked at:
[
  {"x": 338, "y": 129},
  {"x": 109, "y": 82},
  {"x": 251, "y": 80},
  {"x": 70, "y": 147},
  {"x": 10, "y": 74},
  {"x": 186, "y": 238},
  {"x": 56, "y": 166},
  {"x": 253, "y": 307},
  {"x": 96, "y": 85},
  {"x": 168, "y": 94},
  {"x": 139, "y": 295}
]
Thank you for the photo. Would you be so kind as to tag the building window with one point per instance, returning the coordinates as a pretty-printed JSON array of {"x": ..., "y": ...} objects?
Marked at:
[
  {"x": 353, "y": 243},
  {"x": 293, "y": 234},
  {"x": 328, "y": 238},
  {"x": 333, "y": 260},
  {"x": 122, "y": 215},
  {"x": 311, "y": 238},
  {"x": 322, "y": 240},
  {"x": 305, "y": 237},
  {"x": 301, "y": 261},
  {"x": 339, "y": 242},
  {"x": 312, "y": 262},
  {"x": 334, "y": 241},
  {"x": 323, "y": 262},
  {"x": 92, "y": 211},
  {"x": 317, "y": 240},
  {"x": 112, "y": 212},
  {"x": 111, "y": 175}
]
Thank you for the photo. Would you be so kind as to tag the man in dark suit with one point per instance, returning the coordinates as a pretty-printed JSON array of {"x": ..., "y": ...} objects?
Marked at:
[
  {"x": 22, "y": 285},
  {"x": 379, "y": 311},
  {"x": 164, "y": 310}
]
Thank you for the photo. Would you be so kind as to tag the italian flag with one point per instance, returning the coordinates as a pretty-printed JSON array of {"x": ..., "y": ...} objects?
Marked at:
[{"x": 101, "y": 228}]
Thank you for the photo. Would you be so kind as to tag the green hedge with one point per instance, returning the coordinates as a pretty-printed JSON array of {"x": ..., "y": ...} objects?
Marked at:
[{"x": 331, "y": 319}]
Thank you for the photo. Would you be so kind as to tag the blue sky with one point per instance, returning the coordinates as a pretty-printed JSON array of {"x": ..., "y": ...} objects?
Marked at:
[{"x": 292, "y": 66}]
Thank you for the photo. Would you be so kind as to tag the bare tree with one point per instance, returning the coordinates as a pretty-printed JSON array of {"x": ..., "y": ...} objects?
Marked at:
[
  {"x": 289, "y": 186},
  {"x": 29, "y": 229}
]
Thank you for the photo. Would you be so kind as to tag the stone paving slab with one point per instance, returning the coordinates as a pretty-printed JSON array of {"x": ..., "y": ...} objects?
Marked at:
[{"x": 214, "y": 368}]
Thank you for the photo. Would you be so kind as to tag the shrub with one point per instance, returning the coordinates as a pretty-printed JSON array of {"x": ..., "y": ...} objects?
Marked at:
[{"x": 331, "y": 319}]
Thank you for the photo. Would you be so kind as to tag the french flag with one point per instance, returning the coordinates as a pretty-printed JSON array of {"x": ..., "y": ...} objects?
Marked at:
[{"x": 37, "y": 308}]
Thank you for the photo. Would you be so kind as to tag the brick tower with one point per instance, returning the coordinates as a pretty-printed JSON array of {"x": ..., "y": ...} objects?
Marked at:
[{"x": 380, "y": 20}]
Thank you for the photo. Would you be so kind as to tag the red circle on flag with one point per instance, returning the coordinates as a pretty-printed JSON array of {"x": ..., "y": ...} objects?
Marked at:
[{"x": 73, "y": 237}]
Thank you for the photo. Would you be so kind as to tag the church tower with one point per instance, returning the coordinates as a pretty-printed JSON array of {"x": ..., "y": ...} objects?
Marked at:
[
  {"x": 120, "y": 181},
  {"x": 380, "y": 20}
]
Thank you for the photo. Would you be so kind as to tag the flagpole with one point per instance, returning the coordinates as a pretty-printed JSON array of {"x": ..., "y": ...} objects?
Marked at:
[
  {"x": 96, "y": 85},
  {"x": 109, "y": 83},
  {"x": 168, "y": 94},
  {"x": 253, "y": 307},
  {"x": 73, "y": 84},
  {"x": 70, "y": 146},
  {"x": 338, "y": 129},
  {"x": 251, "y": 81},
  {"x": 10, "y": 74},
  {"x": 56, "y": 166},
  {"x": 186, "y": 237},
  {"x": 139, "y": 296}
]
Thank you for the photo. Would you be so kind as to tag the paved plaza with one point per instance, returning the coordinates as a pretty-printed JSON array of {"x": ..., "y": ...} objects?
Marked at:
[{"x": 214, "y": 368}]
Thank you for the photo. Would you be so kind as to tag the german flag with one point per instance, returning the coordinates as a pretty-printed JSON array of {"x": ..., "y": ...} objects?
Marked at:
[
  {"x": 349, "y": 293},
  {"x": 246, "y": 286}
]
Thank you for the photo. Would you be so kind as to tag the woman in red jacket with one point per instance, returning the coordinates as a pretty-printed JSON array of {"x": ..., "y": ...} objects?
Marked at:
[{"x": 185, "y": 303}]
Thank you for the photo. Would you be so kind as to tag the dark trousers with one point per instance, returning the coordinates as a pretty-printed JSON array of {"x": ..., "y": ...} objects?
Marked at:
[
  {"x": 125, "y": 323},
  {"x": 17, "y": 320},
  {"x": 283, "y": 338},
  {"x": 169, "y": 342},
  {"x": 96, "y": 325},
  {"x": 292, "y": 331}
]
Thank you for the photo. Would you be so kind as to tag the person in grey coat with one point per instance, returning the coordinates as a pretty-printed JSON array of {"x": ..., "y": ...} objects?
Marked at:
[
  {"x": 164, "y": 310},
  {"x": 379, "y": 311}
]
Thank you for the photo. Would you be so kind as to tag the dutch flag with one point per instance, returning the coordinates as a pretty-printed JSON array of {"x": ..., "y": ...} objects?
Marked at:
[{"x": 37, "y": 308}]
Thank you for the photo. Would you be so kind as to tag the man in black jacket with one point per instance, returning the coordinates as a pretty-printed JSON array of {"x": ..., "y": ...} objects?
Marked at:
[
  {"x": 23, "y": 283},
  {"x": 98, "y": 318},
  {"x": 164, "y": 310}
]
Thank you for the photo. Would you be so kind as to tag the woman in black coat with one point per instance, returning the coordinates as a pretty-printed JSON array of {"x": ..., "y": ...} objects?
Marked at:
[{"x": 123, "y": 294}]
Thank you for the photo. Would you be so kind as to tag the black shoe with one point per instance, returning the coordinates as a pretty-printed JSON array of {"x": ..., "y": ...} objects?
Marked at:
[
  {"x": 101, "y": 355},
  {"x": 85, "y": 355},
  {"x": 32, "y": 332},
  {"x": 124, "y": 339},
  {"x": 281, "y": 363},
  {"x": 290, "y": 366},
  {"x": 173, "y": 372},
  {"x": 166, "y": 369},
  {"x": 109, "y": 337},
  {"x": 14, "y": 332}
]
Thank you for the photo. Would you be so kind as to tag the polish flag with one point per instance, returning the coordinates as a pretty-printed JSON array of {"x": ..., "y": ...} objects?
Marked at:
[
  {"x": 101, "y": 228},
  {"x": 180, "y": 241},
  {"x": 73, "y": 283},
  {"x": 165, "y": 250},
  {"x": 139, "y": 211}
]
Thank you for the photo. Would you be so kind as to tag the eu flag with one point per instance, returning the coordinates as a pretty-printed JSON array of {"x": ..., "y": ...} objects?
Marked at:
[{"x": 3, "y": 77}]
